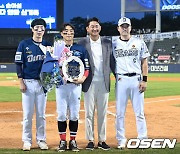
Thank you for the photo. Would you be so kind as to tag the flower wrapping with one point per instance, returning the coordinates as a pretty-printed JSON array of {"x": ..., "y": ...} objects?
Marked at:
[
  {"x": 50, "y": 75},
  {"x": 62, "y": 53}
]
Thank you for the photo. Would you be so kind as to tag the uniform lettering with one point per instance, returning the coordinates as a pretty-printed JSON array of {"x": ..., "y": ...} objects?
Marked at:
[
  {"x": 124, "y": 53},
  {"x": 31, "y": 58}
]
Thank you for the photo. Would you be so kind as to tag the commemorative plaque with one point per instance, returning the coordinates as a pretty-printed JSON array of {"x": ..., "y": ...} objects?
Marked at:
[{"x": 73, "y": 68}]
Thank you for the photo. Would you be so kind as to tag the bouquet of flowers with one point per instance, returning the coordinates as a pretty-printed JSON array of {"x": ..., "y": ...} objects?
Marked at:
[
  {"x": 65, "y": 54},
  {"x": 61, "y": 52},
  {"x": 50, "y": 75}
]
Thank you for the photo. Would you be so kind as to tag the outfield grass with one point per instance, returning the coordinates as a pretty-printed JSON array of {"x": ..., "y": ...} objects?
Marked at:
[
  {"x": 8, "y": 75},
  {"x": 155, "y": 88},
  {"x": 162, "y": 88}
]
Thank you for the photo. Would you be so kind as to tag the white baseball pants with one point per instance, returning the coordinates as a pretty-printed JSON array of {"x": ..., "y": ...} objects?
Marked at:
[
  {"x": 34, "y": 96},
  {"x": 68, "y": 98},
  {"x": 129, "y": 87}
]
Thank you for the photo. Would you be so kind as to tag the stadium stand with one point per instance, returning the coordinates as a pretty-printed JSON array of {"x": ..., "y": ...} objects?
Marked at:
[
  {"x": 7, "y": 54},
  {"x": 165, "y": 51}
]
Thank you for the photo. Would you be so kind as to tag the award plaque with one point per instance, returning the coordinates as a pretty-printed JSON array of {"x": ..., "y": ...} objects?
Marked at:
[{"x": 73, "y": 68}]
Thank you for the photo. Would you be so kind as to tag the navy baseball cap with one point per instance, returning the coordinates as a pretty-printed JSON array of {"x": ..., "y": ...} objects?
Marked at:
[{"x": 38, "y": 21}]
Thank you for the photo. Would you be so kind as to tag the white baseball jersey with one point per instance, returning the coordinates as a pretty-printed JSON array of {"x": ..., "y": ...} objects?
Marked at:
[{"x": 128, "y": 55}]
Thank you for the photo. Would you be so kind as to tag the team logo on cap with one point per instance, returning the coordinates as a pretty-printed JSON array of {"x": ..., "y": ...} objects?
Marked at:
[{"x": 124, "y": 19}]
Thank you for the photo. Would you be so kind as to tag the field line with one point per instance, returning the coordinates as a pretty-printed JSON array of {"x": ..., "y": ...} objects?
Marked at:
[{"x": 146, "y": 102}]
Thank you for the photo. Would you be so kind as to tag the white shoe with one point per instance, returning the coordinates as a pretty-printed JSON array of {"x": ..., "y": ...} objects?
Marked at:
[
  {"x": 26, "y": 146},
  {"x": 42, "y": 145},
  {"x": 121, "y": 146}
]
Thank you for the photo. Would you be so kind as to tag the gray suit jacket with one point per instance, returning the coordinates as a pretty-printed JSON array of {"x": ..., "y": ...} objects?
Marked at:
[{"x": 108, "y": 62}]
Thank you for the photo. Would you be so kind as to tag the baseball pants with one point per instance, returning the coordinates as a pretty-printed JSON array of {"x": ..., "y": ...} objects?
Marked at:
[
  {"x": 34, "y": 96},
  {"x": 68, "y": 99},
  {"x": 129, "y": 87}
]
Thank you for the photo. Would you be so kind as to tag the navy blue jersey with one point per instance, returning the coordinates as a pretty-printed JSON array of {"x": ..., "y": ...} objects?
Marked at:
[
  {"x": 31, "y": 57},
  {"x": 80, "y": 52}
]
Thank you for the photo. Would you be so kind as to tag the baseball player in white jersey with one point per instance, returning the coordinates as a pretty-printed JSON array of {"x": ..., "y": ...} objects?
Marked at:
[
  {"x": 68, "y": 95},
  {"x": 131, "y": 79},
  {"x": 29, "y": 59}
]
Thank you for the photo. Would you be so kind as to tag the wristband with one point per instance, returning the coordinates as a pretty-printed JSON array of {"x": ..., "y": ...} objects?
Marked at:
[
  {"x": 86, "y": 73},
  {"x": 145, "y": 78}
]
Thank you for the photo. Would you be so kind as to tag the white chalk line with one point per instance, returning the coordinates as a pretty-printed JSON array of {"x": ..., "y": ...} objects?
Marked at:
[
  {"x": 155, "y": 101},
  {"x": 10, "y": 111},
  {"x": 108, "y": 112},
  {"x": 111, "y": 113},
  {"x": 163, "y": 100}
]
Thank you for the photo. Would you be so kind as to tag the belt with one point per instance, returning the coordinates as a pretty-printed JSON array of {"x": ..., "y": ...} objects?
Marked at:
[{"x": 129, "y": 74}]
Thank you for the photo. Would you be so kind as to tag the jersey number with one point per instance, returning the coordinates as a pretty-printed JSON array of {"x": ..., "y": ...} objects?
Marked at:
[{"x": 134, "y": 60}]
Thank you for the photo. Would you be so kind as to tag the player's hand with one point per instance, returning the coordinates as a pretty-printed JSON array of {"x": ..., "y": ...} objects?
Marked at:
[
  {"x": 79, "y": 81},
  {"x": 23, "y": 87},
  {"x": 142, "y": 86},
  {"x": 49, "y": 48}
]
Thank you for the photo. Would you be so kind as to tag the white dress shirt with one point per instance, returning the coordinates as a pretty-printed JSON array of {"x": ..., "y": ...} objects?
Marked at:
[{"x": 96, "y": 49}]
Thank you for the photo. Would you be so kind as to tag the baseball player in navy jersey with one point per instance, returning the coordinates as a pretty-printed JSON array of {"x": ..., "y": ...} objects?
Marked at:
[
  {"x": 131, "y": 55},
  {"x": 29, "y": 59},
  {"x": 68, "y": 95}
]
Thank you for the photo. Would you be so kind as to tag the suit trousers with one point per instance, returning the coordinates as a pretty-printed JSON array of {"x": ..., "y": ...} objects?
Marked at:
[{"x": 96, "y": 98}]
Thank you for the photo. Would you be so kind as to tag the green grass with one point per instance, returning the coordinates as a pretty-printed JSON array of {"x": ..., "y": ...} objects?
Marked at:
[
  {"x": 8, "y": 75},
  {"x": 162, "y": 88},
  {"x": 176, "y": 150},
  {"x": 10, "y": 94},
  {"x": 154, "y": 89}
]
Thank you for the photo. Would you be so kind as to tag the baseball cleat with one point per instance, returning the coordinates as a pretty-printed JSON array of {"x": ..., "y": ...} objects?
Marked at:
[
  {"x": 62, "y": 146},
  {"x": 121, "y": 146},
  {"x": 42, "y": 145},
  {"x": 26, "y": 146},
  {"x": 73, "y": 146}
]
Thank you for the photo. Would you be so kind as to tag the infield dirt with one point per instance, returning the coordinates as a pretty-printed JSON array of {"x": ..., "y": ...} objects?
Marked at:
[{"x": 162, "y": 115}]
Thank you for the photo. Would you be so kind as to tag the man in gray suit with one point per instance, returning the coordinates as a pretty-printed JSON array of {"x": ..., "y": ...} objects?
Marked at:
[{"x": 97, "y": 85}]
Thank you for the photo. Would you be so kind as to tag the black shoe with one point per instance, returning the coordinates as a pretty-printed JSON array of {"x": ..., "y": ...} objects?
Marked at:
[
  {"x": 103, "y": 146},
  {"x": 62, "y": 146},
  {"x": 90, "y": 146},
  {"x": 73, "y": 146}
]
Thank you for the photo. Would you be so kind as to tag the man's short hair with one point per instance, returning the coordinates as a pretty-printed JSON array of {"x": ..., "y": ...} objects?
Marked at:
[
  {"x": 63, "y": 27},
  {"x": 38, "y": 21},
  {"x": 92, "y": 19}
]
